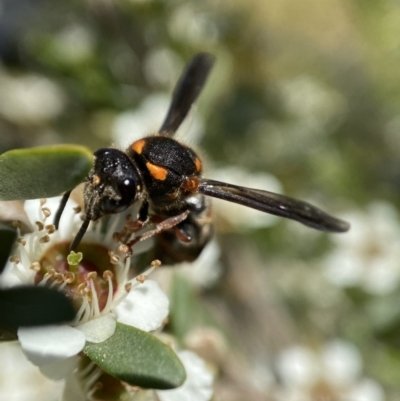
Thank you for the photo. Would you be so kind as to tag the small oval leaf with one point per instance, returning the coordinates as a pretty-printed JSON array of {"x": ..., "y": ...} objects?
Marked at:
[
  {"x": 33, "y": 306},
  {"x": 43, "y": 171},
  {"x": 7, "y": 238},
  {"x": 138, "y": 358}
]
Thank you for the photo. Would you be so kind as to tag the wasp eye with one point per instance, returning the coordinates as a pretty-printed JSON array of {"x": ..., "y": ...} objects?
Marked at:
[{"x": 123, "y": 195}]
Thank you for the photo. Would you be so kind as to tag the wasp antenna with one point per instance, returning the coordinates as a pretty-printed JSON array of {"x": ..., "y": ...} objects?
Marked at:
[
  {"x": 61, "y": 208},
  {"x": 79, "y": 235}
]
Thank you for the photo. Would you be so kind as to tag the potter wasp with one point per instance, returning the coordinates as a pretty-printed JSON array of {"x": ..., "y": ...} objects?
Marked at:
[{"x": 165, "y": 178}]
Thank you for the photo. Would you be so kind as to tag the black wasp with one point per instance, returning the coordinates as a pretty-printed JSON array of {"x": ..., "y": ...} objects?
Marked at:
[{"x": 164, "y": 176}]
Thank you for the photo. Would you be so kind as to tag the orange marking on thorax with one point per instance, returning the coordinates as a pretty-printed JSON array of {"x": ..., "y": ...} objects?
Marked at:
[
  {"x": 138, "y": 146},
  {"x": 157, "y": 172},
  {"x": 198, "y": 165}
]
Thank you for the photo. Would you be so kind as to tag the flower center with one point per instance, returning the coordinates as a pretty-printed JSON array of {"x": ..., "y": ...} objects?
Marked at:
[{"x": 91, "y": 275}]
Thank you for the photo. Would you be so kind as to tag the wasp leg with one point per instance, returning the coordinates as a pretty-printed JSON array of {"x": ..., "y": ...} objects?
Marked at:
[
  {"x": 79, "y": 235},
  {"x": 178, "y": 230},
  {"x": 144, "y": 212},
  {"x": 164, "y": 225},
  {"x": 61, "y": 208}
]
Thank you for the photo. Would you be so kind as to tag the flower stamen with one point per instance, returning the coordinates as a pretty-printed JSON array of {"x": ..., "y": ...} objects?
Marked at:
[
  {"x": 141, "y": 278},
  {"x": 44, "y": 239},
  {"x": 114, "y": 259},
  {"x": 46, "y": 212},
  {"x": 108, "y": 275},
  {"x": 95, "y": 310},
  {"x": 35, "y": 266},
  {"x": 39, "y": 225},
  {"x": 17, "y": 224},
  {"x": 50, "y": 228},
  {"x": 15, "y": 259}
]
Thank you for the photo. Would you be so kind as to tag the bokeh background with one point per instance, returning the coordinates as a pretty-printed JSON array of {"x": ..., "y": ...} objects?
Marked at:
[{"x": 304, "y": 99}]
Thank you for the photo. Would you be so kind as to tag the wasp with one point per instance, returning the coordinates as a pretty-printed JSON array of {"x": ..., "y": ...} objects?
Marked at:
[{"x": 165, "y": 177}]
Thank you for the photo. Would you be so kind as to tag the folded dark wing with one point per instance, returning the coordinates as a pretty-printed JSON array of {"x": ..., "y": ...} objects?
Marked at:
[
  {"x": 276, "y": 204},
  {"x": 186, "y": 91}
]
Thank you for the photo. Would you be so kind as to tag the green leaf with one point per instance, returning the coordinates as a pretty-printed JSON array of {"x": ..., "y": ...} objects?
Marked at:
[
  {"x": 183, "y": 313},
  {"x": 7, "y": 238},
  {"x": 43, "y": 171},
  {"x": 33, "y": 306},
  {"x": 138, "y": 358}
]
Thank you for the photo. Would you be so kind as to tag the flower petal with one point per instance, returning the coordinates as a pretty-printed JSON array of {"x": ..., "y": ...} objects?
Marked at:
[
  {"x": 70, "y": 220},
  {"x": 145, "y": 307},
  {"x": 43, "y": 345},
  {"x": 60, "y": 369},
  {"x": 32, "y": 209},
  {"x": 22, "y": 381},
  {"x": 198, "y": 384},
  {"x": 98, "y": 330}
]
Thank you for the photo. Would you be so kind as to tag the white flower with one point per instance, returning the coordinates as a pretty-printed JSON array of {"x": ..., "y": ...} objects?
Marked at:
[
  {"x": 30, "y": 99},
  {"x": 332, "y": 372},
  {"x": 98, "y": 285},
  {"x": 198, "y": 385},
  {"x": 317, "y": 109},
  {"x": 187, "y": 23},
  {"x": 162, "y": 66},
  {"x": 73, "y": 44},
  {"x": 205, "y": 271},
  {"x": 368, "y": 255},
  {"x": 20, "y": 380}
]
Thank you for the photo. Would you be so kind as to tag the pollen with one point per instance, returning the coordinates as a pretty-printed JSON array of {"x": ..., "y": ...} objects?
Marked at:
[
  {"x": 155, "y": 263},
  {"x": 35, "y": 266},
  {"x": 15, "y": 259},
  {"x": 114, "y": 259},
  {"x": 96, "y": 180},
  {"x": 46, "y": 211},
  {"x": 50, "y": 228},
  {"x": 40, "y": 225},
  {"x": 92, "y": 275},
  {"x": 141, "y": 278},
  {"x": 69, "y": 277},
  {"x": 123, "y": 249},
  {"x": 17, "y": 224},
  {"x": 44, "y": 239},
  {"x": 108, "y": 274}
]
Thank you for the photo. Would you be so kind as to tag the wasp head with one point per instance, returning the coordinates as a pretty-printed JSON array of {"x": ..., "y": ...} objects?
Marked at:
[{"x": 112, "y": 185}]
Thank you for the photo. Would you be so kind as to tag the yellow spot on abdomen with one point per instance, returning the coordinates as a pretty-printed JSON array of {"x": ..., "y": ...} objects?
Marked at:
[
  {"x": 138, "y": 146},
  {"x": 157, "y": 172}
]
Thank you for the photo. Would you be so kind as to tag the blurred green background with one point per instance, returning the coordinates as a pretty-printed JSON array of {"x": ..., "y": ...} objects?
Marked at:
[{"x": 308, "y": 92}]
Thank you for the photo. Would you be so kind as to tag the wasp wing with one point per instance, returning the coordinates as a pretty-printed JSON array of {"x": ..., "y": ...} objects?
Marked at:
[
  {"x": 186, "y": 91},
  {"x": 272, "y": 203}
]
